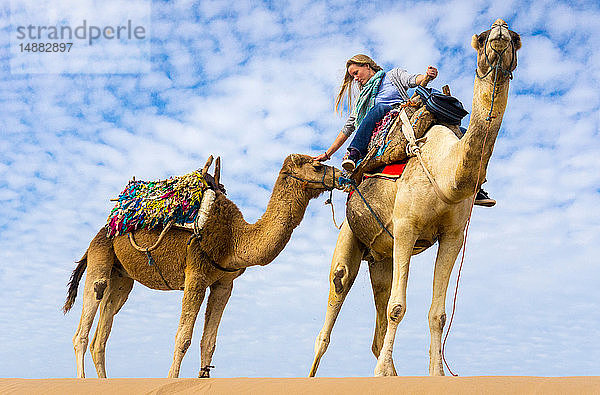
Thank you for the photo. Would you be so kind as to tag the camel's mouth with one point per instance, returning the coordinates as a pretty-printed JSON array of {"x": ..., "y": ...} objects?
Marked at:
[
  {"x": 499, "y": 37},
  {"x": 500, "y": 42},
  {"x": 337, "y": 174}
]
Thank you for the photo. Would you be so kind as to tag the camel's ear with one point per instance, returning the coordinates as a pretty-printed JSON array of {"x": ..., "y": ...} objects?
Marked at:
[
  {"x": 217, "y": 170},
  {"x": 475, "y": 42},
  {"x": 207, "y": 165},
  {"x": 296, "y": 159},
  {"x": 478, "y": 40},
  {"x": 516, "y": 39}
]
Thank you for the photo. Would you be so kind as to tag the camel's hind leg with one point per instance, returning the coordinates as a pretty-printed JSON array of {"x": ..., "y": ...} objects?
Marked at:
[
  {"x": 100, "y": 260},
  {"x": 450, "y": 246},
  {"x": 115, "y": 296},
  {"x": 217, "y": 300},
  {"x": 381, "y": 282},
  {"x": 344, "y": 268}
]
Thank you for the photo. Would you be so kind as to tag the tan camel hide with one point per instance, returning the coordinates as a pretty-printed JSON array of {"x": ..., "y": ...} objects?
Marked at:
[
  {"x": 113, "y": 264},
  {"x": 416, "y": 217}
]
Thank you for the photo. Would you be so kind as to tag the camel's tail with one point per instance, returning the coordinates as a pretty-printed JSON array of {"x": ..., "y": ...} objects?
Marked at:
[{"x": 74, "y": 283}]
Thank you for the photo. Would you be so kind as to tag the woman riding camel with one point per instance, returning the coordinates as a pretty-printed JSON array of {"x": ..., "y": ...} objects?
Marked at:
[{"x": 378, "y": 92}]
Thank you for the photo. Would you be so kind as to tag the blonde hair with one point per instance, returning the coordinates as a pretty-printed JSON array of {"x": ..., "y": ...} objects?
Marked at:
[{"x": 360, "y": 60}]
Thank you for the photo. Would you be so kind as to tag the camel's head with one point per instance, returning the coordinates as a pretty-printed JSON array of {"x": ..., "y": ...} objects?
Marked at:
[
  {"x": 496, "y": 46},
  {"x": 309, "y": 174}
]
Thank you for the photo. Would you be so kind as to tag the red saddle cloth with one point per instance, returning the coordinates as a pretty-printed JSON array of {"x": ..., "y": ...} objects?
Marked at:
[
  {"x": 394, "y": 171},
  {"x": 389, "y": 172}
]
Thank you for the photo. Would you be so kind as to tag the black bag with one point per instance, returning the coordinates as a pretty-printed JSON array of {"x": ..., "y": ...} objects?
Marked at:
[{"x": 447, "y": 109}]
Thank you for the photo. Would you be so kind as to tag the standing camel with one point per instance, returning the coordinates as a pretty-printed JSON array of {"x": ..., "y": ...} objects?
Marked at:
[
  {"x": 416, "y": 216},
  {"x": 228, "y": 246}
]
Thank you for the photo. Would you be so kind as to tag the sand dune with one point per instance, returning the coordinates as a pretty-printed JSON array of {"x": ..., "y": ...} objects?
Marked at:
[{"x": 289, "y": 386}]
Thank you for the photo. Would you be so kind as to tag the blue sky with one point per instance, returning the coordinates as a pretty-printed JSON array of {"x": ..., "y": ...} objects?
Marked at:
[{"x": 253, "y": 82}]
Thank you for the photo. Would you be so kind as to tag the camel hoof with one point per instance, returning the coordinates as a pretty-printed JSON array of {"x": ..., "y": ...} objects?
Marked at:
[
  {"x": 205, "y": 372},
  {"x": 385, "y": 369},
  {"x": 437, "y": 370}
]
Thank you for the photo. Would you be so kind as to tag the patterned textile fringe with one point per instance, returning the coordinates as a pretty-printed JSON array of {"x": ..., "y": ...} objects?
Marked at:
[
  {"x": 381, "y": 130},
  {"x": 150, "y": 204}
]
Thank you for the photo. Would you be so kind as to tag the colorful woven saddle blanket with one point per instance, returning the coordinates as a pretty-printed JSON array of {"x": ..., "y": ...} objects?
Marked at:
[
  {"x": 153, "y": 204},
  {"x": 381, "y": 130}
]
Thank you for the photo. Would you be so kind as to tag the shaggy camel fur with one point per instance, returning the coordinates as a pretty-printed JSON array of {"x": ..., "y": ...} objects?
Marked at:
[
  {"x": 415, "y": 215},
  {"x": 113, "y": 264}
]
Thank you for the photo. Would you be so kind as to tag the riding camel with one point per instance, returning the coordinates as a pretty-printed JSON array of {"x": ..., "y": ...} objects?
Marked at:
[
  {"x": 227, "y": 247},
  {"x": 417, "y": 215}
]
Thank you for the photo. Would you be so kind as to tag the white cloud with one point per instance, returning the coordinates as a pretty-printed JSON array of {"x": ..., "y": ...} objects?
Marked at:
[
  {"x": 545, "y": 67},
  {"x": 403, "y": 40},
  {"x": 253, "y": 84}
]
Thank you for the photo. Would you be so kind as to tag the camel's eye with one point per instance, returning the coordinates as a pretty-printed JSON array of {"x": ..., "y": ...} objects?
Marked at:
[
  {"x": 318, "y": 166},
  {"x": 482, "y": 37}
]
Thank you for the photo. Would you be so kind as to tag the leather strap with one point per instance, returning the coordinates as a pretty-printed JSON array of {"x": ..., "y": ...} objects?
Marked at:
[{"x": 413, "y": 149}]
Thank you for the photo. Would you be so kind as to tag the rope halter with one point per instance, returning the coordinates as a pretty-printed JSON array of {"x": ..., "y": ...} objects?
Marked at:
[
  {"x": 306, "y": 182},
  {"x": 498, "y": 67}
]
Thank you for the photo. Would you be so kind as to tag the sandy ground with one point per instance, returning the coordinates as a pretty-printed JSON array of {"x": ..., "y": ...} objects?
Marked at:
[{"x": 289, "y": 386}]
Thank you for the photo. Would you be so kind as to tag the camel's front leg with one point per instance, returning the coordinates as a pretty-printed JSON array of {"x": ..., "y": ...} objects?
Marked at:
[
  {"x": 193, "y": 294},
  {"x": 115, "y": 296},
  {"x": 448, "y": 250},
  {"x": 404, "y": 240},
  {"x": 217, "y": 299},
  {"x": 344, "y": 268},
  {"x": 381, "y": 282}
]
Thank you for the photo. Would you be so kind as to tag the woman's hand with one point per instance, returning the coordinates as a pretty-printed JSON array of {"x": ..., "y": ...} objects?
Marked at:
[
  {"x": 431, "y": 72},
  {"x": 322, "y": 158},
  {"x": 339, "y": 140}
]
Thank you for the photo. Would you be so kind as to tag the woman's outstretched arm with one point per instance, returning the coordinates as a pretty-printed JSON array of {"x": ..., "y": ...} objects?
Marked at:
[{"x": 337, "y": 143}]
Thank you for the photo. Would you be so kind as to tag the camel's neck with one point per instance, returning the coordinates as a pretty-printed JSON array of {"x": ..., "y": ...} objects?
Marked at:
[
  {"x": 474, "y": 149},
  {"x": 261, "y": 242}
]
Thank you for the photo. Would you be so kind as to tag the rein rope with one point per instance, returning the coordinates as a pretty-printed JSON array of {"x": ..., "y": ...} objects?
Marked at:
[
  {"x": 352, "y": 184},
  {"x": 488, "y": 119},
  {"x": 462, "y": 259},
  {"x": 330, "y": 201}
]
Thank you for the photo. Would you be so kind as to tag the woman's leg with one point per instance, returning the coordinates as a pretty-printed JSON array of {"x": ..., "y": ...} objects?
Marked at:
[{"x": 365, "y": 130}]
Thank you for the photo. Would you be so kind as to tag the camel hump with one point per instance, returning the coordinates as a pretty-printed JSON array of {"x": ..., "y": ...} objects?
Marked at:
[
  {"x": 154, "y": 204},
  {"x": 426, "y": 108}
]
